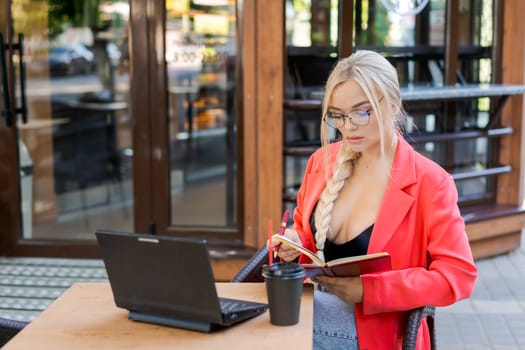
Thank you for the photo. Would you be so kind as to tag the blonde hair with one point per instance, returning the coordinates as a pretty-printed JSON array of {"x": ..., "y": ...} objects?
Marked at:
[{"x": 378, "y": 80}]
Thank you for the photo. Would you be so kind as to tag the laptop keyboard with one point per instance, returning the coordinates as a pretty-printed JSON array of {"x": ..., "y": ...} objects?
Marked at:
[{"x": 234, "y": 305}]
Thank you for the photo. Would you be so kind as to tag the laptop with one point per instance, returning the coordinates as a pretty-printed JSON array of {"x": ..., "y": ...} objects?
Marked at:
[{"x": 168, "y": 281}]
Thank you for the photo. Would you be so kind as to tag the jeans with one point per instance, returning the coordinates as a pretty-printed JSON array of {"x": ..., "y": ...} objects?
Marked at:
[{"x": 334, "y": 322}]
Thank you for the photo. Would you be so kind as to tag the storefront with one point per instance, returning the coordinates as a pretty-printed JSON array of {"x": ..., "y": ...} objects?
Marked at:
[{"x": 195, "y": 118}]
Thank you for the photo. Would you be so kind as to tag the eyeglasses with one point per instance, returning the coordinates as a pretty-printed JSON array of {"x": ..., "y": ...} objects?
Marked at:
[{"x": 358, "y": 117}]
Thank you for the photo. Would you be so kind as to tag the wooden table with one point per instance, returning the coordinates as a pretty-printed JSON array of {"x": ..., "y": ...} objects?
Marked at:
[{"x": 85, "y": 317}]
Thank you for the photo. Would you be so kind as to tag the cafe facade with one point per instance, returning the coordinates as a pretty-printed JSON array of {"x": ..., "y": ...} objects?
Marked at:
[{"x": 196, "y": 118}]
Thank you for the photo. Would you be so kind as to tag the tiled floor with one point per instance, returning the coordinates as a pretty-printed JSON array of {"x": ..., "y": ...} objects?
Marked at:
[
  {"x": 494, "y": 316},
  {"x": 29, "y": 285}
]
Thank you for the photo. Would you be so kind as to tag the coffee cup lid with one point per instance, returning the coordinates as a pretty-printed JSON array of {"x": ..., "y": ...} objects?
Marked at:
[{"x": 284, "y": 269}]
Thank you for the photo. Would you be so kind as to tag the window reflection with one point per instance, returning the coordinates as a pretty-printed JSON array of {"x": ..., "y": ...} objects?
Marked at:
[
  {"x": 78, "y": 135},
  {"x": 411, "y": 35},
  {"x": 200, "y": 51}
]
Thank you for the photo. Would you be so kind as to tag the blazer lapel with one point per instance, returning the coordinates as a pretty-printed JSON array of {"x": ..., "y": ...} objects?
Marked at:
[{"x": 396, "y": 201}]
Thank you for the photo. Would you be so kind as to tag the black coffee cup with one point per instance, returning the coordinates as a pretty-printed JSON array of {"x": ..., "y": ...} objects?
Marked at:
[{"x": 284, "y": 286}]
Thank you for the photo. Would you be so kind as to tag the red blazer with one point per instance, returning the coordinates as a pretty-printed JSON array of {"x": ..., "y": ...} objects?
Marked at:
[{"x": 420, "y": 225}]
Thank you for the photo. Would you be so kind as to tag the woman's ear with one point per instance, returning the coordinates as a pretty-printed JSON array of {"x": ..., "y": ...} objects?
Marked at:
[{"x": 395, "y": 110}]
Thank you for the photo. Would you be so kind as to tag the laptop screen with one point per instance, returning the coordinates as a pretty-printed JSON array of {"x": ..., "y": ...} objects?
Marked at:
[{"x": 162, "y": 275}]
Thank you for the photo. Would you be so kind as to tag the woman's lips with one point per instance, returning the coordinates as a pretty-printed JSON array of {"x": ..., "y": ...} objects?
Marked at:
[{"x": 354, "y": 139}]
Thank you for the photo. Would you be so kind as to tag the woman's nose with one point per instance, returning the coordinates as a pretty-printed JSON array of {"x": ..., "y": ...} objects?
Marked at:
[{"x": 348, "y": 125}]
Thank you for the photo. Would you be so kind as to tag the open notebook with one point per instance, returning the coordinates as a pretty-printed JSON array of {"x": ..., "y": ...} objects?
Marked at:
[{"x": 169, "y": 281}]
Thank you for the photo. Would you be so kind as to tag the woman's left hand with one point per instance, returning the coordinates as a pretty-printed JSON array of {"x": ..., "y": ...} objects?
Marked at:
[{"x": 348, "y": 289}]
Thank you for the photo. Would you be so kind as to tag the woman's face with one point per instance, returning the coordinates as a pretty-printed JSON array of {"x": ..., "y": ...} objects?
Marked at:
[{"x": 349, "y": 100}]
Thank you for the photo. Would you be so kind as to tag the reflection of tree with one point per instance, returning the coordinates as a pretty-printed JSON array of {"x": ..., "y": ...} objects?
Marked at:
[
  {"x": 78, "y": 13},
  {"x": 28, "y": 15},
  {"x": 375, "y": 25}
]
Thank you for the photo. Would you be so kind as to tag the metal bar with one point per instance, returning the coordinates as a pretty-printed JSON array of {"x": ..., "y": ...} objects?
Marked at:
[
  {"x": 504, "y": 169},
  {"x": 457, "y": 136},
  {"x": 23, "y": 108},
  {"x": 5, "y": 87}
]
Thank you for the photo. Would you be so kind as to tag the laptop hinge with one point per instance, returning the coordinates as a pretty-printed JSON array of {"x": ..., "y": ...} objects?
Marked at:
[{"x": 200, "y": 326}]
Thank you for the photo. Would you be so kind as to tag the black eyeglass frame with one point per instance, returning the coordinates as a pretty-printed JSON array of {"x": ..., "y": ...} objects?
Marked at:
[{"x": 346, "y": 116}]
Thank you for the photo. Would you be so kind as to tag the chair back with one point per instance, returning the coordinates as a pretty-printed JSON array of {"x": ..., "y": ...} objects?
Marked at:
[
  {"x": 414, "y": 321},
  {"x": 252, "y": 271},
  {"x": 9, "y": 328}
]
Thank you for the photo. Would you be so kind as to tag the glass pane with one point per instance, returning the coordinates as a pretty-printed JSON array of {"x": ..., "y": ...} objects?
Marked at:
[
  {"x": 200, "y": 60},
  {"x": 311, "y": 43},
  {"x": 411, "y": 34},
  {"x": 75, "y": 149},
  {"x": 476, "y": 31},
  {"x": 311, "y": 47}
]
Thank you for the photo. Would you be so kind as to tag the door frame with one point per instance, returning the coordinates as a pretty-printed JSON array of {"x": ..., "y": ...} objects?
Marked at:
[{"x": 259, "y": 87}]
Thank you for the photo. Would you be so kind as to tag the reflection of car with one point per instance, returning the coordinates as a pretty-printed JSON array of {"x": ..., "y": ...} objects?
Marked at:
[{"x": 70, "y": 59}]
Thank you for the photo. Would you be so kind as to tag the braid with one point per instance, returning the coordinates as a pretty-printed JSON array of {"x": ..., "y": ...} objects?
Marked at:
[{"x": 345, "y": 161}]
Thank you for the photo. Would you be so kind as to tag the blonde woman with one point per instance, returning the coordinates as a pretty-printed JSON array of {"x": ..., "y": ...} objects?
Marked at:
[{"x": 371, "y": 192}]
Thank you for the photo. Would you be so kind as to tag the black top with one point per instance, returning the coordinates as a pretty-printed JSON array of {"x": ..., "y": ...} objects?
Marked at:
[{"x": 356, "y": 246}]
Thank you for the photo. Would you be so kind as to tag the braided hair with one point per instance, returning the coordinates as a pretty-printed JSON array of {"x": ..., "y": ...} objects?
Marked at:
[{"x": 378, "y": 79}]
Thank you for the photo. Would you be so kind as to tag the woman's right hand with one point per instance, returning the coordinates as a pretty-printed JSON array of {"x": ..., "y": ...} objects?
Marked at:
[{"x": 285, "y": 252}]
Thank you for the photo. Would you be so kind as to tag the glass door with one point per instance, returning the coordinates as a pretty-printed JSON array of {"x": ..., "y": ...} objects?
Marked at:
[
  {"x": 200, "y": 60},
  {"x": 67, "y": 92},
  {"x": 81, "y": 160}
]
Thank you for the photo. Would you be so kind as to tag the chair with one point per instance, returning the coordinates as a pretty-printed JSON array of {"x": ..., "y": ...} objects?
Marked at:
[
  {"x": 252, "y": 272},
  {"x": 413, "y": 323},
  {"x": 85, "y": 151},
  {"x": 9, "y": 328}
]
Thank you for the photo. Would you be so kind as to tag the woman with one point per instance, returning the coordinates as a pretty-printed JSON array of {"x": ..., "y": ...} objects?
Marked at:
[{"x": 372, "y": 192}]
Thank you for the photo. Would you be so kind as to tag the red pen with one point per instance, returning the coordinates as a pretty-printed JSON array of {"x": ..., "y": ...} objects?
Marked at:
[
  {"x": 270, "y": 248},
  {"x": 284, "y": 221}
]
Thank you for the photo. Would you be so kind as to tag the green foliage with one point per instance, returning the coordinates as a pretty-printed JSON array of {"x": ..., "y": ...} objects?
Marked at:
[
  {"x": 28, "y": 16},
  {"x": 377, "y": 33},
  {"x": 77, "y": 13},
  {"x": 302, "y": 5},
  {"x": 31, "y": 16}
]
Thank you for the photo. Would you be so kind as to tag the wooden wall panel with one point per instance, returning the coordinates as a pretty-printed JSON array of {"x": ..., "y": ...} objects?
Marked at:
[
  {"x": 510, "y": 187},
  {"x": 346, "y": 28},
  {"x": 268, "y": 112},
  {"x": 160, "y": 194},
  {"x": 495, "y": 227},
  {"x": 141, "y": 97},
  {"x": 247, "y": 126},
  {"x": 496, "y": 245},
  {"x": 451, "y": 41},
  {"x": 224, "y": 270}
]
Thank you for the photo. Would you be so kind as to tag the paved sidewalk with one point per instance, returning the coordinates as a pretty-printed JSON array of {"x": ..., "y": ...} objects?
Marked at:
[{"x": 494, "y": 317}]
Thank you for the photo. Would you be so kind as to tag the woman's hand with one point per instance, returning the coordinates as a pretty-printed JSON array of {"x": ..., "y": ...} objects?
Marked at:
[
  {"x": 286, "y": 253},
  {"x": 348, "y": 289}
]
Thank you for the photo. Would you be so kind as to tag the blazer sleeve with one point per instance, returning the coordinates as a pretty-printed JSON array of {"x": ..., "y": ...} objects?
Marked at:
[{"x": 450, "y": 274}]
